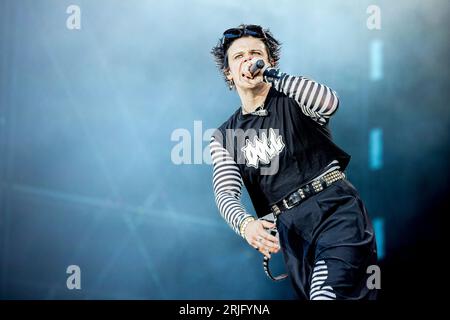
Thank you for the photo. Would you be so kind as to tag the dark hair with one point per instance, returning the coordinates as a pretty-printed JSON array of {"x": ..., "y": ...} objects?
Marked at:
[{"x": 220, "y": 51}]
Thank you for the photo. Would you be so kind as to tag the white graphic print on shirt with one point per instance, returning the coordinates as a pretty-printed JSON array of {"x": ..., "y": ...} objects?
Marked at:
[{"x": 262, "y": 150}]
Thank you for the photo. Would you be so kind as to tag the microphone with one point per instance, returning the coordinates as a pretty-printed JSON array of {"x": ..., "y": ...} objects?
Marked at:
[
  {"x": 260, "y": 111},
  {"x": 270, "y": 73},
  {"x": 258, "y": 65}
]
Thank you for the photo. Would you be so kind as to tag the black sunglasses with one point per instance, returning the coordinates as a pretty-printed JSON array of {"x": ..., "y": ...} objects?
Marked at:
[{"x": 234, "y": 33}]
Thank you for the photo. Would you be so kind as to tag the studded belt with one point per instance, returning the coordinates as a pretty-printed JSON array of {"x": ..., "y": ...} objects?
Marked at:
[{"x": 307, "y": 191}]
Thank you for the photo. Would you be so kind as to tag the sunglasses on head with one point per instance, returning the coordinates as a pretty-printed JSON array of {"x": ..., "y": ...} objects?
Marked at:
[{"x": 250, "y": 30}]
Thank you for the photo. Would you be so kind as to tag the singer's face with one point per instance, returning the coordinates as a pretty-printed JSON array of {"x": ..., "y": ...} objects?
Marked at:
[{"x": 242, "y": 53}]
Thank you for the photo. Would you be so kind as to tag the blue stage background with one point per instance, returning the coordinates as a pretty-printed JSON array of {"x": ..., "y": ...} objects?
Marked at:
[{"x": 89, "y": 121}]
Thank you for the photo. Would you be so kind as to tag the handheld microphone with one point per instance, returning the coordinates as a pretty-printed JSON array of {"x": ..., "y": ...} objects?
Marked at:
[
  {"x": 255, "y": 67},
  {"x": 271, "y": 73}
]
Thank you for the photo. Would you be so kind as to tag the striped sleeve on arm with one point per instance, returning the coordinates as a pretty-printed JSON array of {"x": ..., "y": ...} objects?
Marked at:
[
  {"x": 227, "y": 185},
  {"x": 316, "y": 100}
]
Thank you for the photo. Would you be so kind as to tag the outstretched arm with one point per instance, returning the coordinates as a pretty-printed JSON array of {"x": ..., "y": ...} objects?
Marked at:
[{"x": 315, "y": 100}]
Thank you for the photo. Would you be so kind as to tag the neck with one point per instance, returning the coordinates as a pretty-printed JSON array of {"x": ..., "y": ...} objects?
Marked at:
[{"x": 253, "y": 98}]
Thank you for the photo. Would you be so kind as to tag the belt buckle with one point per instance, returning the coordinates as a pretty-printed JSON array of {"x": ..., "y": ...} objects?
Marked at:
[{"x": 286, "y": 205}]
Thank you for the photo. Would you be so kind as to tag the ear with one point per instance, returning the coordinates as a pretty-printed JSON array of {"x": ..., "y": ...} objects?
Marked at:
[{"x": 228, "y": 74}]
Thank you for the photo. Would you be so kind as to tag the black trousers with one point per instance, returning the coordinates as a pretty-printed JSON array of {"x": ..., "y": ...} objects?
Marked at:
[{"x": 327, "y": 243}]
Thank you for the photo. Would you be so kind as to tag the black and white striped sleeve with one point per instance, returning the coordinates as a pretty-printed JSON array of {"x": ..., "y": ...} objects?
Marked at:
[
  {"x": 316, "y": 100},
  {"x": 227, "y": 185}
]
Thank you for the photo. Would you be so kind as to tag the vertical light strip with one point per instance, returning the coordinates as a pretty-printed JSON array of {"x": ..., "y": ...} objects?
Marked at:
[
  {"x": 378, "y": 226},
  {"x": 376, "y": 149},
  {"x": 376, "y": 60}
]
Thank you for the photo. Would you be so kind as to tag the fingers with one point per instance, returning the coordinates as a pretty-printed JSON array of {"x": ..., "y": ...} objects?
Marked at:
[
  {"x": 263, "y": 249},
  {"x": 266, "y": 235},
  {"x": 271, "y": 245},
  {"x": 258, "y": 237},
  {"x": 265, "y": 246},
  {"x": 266, "y": 251},
  {"x": 246, "y": 70},
  {"x": 272, "y": 239},
  {"x": 268, "y": 238},
  {"x": 246, "y": 66},
  {"x": 267, "y": 224}
]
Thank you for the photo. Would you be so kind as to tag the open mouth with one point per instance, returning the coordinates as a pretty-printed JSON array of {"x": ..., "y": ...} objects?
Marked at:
[{"x": 243, "y": 75}]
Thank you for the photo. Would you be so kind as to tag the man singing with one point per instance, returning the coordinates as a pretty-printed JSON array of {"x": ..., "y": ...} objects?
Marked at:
[{"x": 279, "y": 145}]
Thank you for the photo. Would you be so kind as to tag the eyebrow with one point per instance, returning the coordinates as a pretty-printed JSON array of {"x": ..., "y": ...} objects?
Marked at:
[{"x": 252, "y": 50}]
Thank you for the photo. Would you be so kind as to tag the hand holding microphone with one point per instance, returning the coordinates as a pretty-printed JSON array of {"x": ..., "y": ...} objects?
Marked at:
[
  {"x": 259, "y": 64},
  {"x": 268, "y": 72}
]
